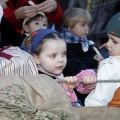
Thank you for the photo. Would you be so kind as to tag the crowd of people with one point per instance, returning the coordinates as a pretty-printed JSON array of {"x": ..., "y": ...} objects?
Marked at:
[{"x": 67, "y": 54}]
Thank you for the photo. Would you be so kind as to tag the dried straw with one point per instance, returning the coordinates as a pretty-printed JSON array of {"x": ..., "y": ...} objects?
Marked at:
[{"x": 16, "y": 106}]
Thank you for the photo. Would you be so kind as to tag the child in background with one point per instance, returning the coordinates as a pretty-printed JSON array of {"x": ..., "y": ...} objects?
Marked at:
[
  {"x": 48, "y": 48},
  {"x": 32, "y": 24},
  {"x": 35, "y": 23},
  {"x": 108, "y": 94},
  {"x": 75, "y": 22}
]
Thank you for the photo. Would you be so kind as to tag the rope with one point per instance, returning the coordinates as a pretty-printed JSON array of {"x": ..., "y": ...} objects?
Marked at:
[{"x": 98, "y": 81}]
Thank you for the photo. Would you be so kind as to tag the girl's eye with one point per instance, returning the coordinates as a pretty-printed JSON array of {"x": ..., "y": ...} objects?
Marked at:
[
  {"x": 52, "y": 56},
  {"x": 45, "y": 25},
  {"x": 37, "y": 23}
]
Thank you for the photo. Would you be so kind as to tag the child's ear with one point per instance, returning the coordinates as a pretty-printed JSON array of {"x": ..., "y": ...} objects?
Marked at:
[
  {"x": 26, "y": 28},
  {"x": 36, "y": 59}
]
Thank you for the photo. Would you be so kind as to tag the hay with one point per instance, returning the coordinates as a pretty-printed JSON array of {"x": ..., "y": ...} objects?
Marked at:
[{"x": 15, "y": 104}]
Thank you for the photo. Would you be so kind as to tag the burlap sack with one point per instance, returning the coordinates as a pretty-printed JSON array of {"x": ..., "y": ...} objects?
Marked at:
[
  {"x": 99, "y": 113},
  {"x": 43, "y": 93},
  {"x": 46, "y": 94}
]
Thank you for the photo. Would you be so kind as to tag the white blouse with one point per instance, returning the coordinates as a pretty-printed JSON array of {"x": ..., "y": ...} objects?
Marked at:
[{"x": 109, "y": 69}]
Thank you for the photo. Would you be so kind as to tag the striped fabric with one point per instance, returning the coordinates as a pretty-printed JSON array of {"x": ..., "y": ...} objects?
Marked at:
[
  {"x": 14, "y": 61},
  {"x": 71, "y": 94}
]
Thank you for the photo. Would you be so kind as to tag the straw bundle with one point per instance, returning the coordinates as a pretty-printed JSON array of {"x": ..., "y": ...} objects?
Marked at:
[{"x": 16, "y": 105}]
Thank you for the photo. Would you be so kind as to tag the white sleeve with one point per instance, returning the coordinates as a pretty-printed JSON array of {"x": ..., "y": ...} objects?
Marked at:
[{"x": 103, "y": 93}]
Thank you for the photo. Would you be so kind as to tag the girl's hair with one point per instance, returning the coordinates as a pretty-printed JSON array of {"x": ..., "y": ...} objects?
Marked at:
[
  {"x": 72, "y": 16},
  {"x": 34, "y": 18},
  {"x": 51, "y": 36}
]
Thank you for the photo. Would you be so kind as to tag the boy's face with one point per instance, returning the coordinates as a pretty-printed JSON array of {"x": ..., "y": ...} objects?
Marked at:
[
  {"x": 40, "y": 23},
  {"x": 113, "y": 45},
  {"x": 53, "y": 56},
  {"x": 80, "y": 30}
]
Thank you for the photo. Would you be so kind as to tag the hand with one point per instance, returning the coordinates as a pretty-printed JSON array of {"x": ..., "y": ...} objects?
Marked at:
[
  {"x": 102, "y": 46},
  {"x": 47, "y": 6},
  {"x": 4, "y": 6},
  {"x": 71, "y": 82},
  {"x": 25, "y": 12},
  {"x": 89, "y": 80},
  {"x": 98, "y": 58},
  {"x": 3, "y": 3}
]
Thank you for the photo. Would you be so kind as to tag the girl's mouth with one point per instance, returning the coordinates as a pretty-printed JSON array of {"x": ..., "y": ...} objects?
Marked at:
[{"x": 60, "y": 67}]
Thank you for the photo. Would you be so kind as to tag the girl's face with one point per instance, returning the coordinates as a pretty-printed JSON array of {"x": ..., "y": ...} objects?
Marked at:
[
  {"x": 113, "y": 45},
  {"x": 53, "y": 56},
  {"x": 40, "y": 23},
  {"x": 80, "y": 29}
]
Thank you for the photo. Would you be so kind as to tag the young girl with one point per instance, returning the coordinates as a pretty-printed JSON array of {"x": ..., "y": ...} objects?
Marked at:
[
  {"x": 32, "y": 24},
  {"x": 48, "y": 48},
  {"x": 76, "y": 27},
  {"x": 35, "y": 23},
  {"x": 108, "y": 94}
]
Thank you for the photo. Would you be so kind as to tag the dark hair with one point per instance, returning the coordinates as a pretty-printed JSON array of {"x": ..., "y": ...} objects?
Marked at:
[
  {"x": 52, "y": 36},
  {"x": 34, "y": 18}
]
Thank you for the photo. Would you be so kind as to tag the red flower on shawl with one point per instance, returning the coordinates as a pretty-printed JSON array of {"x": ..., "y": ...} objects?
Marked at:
[{"x": 34, "y": 33}]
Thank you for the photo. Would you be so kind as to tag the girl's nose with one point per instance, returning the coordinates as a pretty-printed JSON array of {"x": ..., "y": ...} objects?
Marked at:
[{"x": 60, "y": 59}]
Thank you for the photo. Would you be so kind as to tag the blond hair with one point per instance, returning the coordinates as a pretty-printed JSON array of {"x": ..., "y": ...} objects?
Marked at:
[{"x": 72, "y": 16}]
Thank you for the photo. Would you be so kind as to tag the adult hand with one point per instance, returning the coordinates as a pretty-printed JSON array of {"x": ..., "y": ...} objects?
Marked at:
[
  {"x": 3, "y": 3},
  {"x": 25, "y": 12},
  {"x": 47, "y": 6}
]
